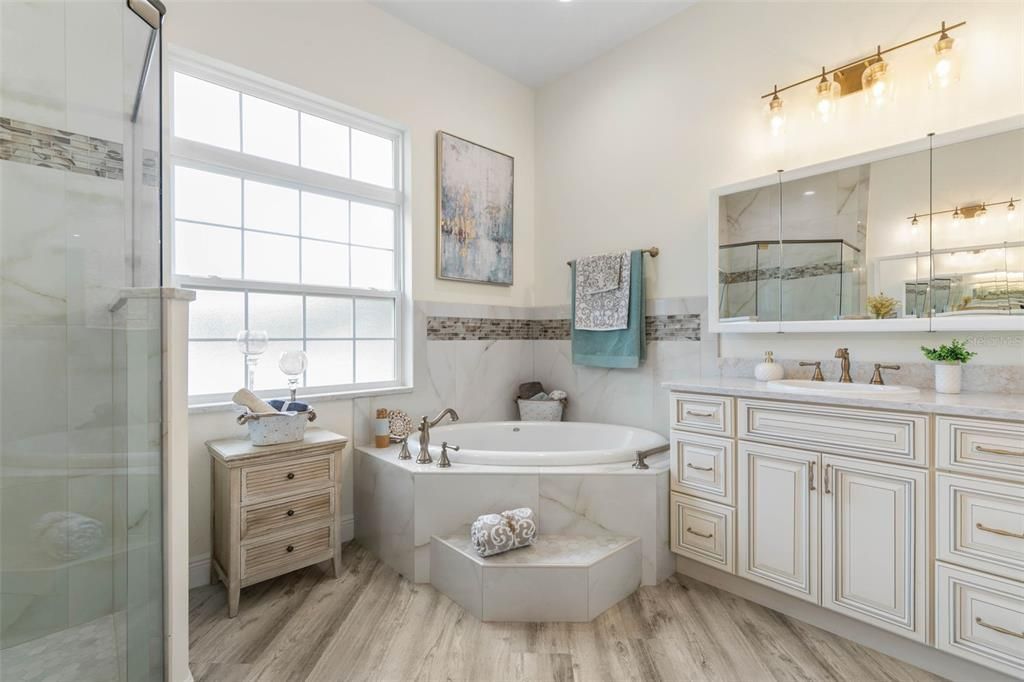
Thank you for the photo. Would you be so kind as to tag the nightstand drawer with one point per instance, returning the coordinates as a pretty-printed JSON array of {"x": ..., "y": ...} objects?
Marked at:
[
  {"x": 703, "y": 466},
  {"x": 273, "y": 557},
  {"x": 980, "y": 446},
  {"x": 274, "y": 480},
  {"x": 702, "y": 413},
  {"x": 980, "y": 618},
  {"x": 703, "y": 531},
  {"x": 981, "y": 524},
  {"x": 273, "y": 517}
]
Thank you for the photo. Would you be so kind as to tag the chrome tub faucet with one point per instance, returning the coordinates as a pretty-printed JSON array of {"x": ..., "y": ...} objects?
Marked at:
[{"x": 425, "y": 425}]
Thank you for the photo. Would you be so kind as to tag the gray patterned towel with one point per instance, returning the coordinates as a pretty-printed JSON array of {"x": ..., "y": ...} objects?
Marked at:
[
  {"x": 496, "y": 533},
  {"x": 602, "y": 310}
]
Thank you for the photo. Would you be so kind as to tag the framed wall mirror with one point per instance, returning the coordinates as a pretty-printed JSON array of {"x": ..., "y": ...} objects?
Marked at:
[{"x": 926, "y": 235}]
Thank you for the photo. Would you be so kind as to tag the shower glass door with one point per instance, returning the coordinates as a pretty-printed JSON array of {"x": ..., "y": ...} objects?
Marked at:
[{"x": 81, "y": 566}]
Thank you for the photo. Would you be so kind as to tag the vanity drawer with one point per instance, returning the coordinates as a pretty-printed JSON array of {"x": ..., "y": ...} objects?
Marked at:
[
  {"x": 980, "y": 446},
  {"x": 274, "y": 480},
  {"x": 703, "y": 531},
  {"x": 272, "y": 517},
  {"x": 267, "y": 558},
  {"x": 884, "y": 436},
  {"x": 980, "y": 524},
  {"x": 703, "y": 466},
  {"x": 980, "y": 618},
  {"x": 702, "y": 413}
]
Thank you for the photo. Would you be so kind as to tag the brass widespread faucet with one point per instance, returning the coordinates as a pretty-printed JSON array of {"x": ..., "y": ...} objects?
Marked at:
[
  {"x": 818, "y": 376},
  {"x": 876, "y": 378},
  {"x": 425, "y": 426},
  {"x": 844, "y": 355}
]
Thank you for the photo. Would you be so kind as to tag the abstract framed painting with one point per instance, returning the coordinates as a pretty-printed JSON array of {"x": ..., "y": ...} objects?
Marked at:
[{"x": 474, "y": 212}]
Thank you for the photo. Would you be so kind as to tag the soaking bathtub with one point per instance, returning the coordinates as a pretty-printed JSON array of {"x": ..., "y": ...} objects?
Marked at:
[
  {"x": 541, "y": 444},
  {"x": 577, "y": 477}
]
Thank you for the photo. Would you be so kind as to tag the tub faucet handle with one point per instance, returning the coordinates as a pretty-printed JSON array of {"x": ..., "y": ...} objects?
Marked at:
[{"x": 443, "y": 462}]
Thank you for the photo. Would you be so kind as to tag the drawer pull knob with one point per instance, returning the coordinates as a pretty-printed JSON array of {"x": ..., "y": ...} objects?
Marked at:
[
  {"x": 999, "y": 531},
  {"x": 697, "y": 413},
  {"x": 999, "y": 451},
  {"x": 1000, "y": 630},
  {"x": 290, "y": 475},
  {"x": 290, "y": 512},
  {"x": 289, "y": 548},
  {"x": 700, "y": 535},
  {"x": 691, "y": 465}
]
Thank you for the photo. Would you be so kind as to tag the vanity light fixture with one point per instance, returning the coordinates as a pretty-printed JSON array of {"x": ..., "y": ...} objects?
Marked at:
[
  {"x": 776, "y": 115},
  {"x": 827, "y": 98},
  {"x": 946, "y": 62},
  {"x": 1011, "y": 210},
  {"x": 981, "y": 212},
  {"x": 915, "y": 221},
  {"x": 957, "y": 216},
  {"x": 971, "y": 211},
  {"x": 871, "y": 74}
]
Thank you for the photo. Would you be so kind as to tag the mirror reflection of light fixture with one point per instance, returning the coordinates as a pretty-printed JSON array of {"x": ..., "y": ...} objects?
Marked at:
[
  {"x": 946, "y": 62},
  {"x": 970, "y": 211},
  {"x": 877, "y": 82},
  {"x": 776, "y": 115},
  {"x": 827, "y": 100}
]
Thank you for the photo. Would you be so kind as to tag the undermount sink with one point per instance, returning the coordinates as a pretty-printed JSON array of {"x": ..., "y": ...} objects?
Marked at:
[{"x": 835, "y": 388}]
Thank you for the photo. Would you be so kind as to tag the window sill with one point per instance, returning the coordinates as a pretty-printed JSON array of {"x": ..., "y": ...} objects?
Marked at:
[{"x": 203, "y": 408}]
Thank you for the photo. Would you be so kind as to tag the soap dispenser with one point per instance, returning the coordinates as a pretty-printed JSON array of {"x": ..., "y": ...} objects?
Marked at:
[{"x": 769, "y": 370}]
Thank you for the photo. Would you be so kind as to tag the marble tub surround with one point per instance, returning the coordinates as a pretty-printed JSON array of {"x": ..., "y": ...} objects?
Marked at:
[
  {"x": 1008, "y": 406},
  {"x": 560, "y": 578},
  {"x": 977, "y": 378},
  {"x": 399, "y": 505}
]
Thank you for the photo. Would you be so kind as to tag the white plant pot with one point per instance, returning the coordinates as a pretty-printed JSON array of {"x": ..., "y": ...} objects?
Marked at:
[{"x": 948, "y": 377}]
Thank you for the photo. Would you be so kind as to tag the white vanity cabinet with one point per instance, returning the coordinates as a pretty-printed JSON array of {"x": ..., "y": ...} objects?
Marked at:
[{"x": 874, "y": 543}]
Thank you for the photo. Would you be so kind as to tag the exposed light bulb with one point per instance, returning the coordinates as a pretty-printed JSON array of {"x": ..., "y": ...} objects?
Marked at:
[
  {"x": 981, "y": 213},
  {"x": 1011, "y": 210},
  {"x": 945, "y": 62},
  {"x": 877, "y": 82},
  {"x": 915, "y": 222},
  {"x": 957, "y": 216},
  {"x": 827, "y": 99},
  {"x": 776, "y": 115}
]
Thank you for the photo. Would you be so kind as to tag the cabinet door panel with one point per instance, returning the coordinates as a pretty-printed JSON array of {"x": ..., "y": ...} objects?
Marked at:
[
  {"x": 778, "y": 518},
  {"x": 873, "y": 552}
]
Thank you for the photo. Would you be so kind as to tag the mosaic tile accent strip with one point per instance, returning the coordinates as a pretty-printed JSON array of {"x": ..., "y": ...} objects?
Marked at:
[
  {"x": 795, "y": 272},
  {"x": 38, "y": 145},
  {"x": 658, "y": 327}
]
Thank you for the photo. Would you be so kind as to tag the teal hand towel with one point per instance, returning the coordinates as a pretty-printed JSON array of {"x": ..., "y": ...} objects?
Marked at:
[{"x": 620, "y": 348}]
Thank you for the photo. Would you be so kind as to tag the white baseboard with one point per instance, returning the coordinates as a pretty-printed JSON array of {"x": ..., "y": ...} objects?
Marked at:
[{"x": 199, "y": 566}]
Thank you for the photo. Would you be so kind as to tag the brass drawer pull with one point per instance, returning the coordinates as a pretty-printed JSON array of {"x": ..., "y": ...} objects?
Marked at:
[
  {"x": 1000, "y": 630},
  {"x": 828, "y": 482},
  {"x": 290, "y": 475},
  {"x": 691, "y": 465},
  {"x": 289, "y": 548},
  {"x": 999, "y": 451},
  {"x": 810, "y": 477},
  {"x": 695, "y": 413},
  {"x": 999, "y": 531},
  {"x": 290, "y": 512},
  {"x": 700, "y": 535}
]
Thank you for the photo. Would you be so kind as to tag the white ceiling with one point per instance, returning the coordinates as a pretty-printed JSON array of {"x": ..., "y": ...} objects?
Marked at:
[{"x": 533, "y": 41}]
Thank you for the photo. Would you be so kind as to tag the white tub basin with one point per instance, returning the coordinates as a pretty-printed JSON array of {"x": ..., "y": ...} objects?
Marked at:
[{"x": 835, "y": 388}]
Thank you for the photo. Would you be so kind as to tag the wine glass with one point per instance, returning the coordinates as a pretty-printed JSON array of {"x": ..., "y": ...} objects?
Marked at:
[
  {"x": 252, "y": 344},
  {"x": 293, "y": 363}
]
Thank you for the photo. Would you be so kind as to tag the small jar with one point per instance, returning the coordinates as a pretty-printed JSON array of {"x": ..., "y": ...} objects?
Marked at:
[{"x": 769, "y": 370}]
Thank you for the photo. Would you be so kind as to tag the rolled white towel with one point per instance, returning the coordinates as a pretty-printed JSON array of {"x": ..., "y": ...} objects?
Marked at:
[
  {"x": 66, "y": 536},
  {"x": 496, "y": 533},
  {"x": 247, "y": 398}
]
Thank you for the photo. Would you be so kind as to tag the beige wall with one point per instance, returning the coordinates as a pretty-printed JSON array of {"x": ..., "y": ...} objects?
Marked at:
[
  {"x": 360, "y": 56},
  {"x": 629, "y": 146}
]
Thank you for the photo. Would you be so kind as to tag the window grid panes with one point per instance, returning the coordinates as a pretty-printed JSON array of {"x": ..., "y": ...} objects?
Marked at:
[{"x": 271, "y": 242}]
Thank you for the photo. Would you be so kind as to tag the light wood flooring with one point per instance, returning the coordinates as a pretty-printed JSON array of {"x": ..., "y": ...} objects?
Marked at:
[{"x": 372, "y": 624}]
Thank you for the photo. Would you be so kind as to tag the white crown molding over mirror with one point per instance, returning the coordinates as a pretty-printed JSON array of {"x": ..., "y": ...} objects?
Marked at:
[{"x": 777, "y": 220}]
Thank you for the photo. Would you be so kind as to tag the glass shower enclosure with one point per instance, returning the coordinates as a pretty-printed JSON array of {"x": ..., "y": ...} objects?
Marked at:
[{"x": 81, "y": 565}]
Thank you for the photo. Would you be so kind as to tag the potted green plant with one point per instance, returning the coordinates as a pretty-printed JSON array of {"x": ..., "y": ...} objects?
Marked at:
[{"x": 949, "y": 360}]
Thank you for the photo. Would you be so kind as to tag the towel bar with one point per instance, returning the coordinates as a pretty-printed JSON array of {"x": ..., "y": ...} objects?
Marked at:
[{"x": 652, "y": 252}]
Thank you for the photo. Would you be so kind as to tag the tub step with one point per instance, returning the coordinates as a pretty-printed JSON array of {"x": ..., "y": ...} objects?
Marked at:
[{"x": 560, "y": 578}]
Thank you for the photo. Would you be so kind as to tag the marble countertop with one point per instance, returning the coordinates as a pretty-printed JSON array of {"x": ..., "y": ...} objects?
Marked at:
[
  {"x": 986, "y": 405},
  {"x": 658, "y": 464}
]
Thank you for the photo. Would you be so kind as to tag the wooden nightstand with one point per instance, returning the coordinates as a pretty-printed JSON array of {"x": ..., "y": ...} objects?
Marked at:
[{"x": 274, "y": 508}]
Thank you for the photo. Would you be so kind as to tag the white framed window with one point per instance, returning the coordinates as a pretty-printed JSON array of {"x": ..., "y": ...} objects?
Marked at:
[{"x": 287, "y": 215}]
